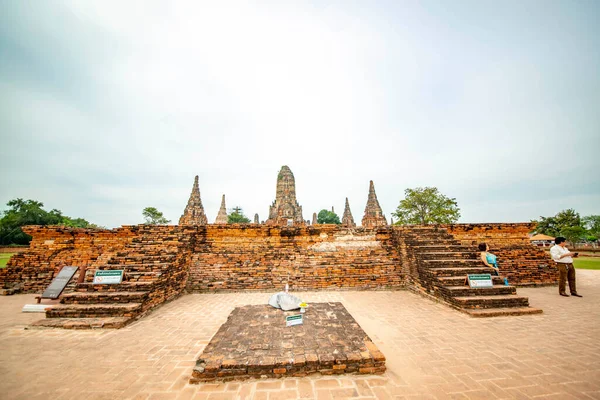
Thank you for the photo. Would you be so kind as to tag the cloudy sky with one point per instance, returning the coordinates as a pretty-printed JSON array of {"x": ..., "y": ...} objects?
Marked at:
[{"x": 107, "y": 107}]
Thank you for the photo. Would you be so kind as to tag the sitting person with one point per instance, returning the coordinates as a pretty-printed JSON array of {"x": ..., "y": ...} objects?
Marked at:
[{"x": 488, "y": 259}]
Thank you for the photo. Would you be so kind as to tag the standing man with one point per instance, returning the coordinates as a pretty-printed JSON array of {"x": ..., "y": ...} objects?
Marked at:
[{"x": 564, "y": 262}]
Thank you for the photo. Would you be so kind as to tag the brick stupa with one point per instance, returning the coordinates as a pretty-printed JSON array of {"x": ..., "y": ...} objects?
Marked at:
[
  {"x": 222, "y": 215},
  {"x": 347, "y": 219},
  {"x": 373, "y": 215},
  {"x": 285, "y": 207},
  {"x": 194, "y": 212}
]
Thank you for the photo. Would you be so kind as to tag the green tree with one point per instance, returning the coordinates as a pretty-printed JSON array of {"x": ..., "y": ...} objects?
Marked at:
[
  {"x": 30, "y": 212},
  {"x": 573, "y": 234},
  {"x": 237, "y": 217},
  {"x": 328, "y": 217},
  {"x": 592, "y": 224},
  {"x": 556, "y": 225},
  {"x": 154, "y": 217},
  {"x": 21, "y": 213},
  {"x": 426, "y": 206}
]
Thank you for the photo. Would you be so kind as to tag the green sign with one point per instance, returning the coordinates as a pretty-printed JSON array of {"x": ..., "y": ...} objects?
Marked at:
[
  {"x": 108, "y": 276},
  {"x": 293, "y": 320},
  {"x": 480, "y": 280}
]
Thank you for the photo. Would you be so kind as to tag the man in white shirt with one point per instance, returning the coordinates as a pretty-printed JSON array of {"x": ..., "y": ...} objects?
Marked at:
[{"x": 564, "y": 262}]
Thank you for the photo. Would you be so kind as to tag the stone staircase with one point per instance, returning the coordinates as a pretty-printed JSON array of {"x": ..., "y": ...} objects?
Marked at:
[
  {"x": 439, "y": 264},
  {"x": 154, "y": 271}
]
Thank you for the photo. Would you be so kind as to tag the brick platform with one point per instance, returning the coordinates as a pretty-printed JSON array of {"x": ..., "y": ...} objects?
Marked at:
[{"x": 255, "y": 343}]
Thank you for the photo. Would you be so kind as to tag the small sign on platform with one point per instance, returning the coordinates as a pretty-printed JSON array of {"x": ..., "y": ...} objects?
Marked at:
[
  {"x": 108, "y": 276},
  {"x": 480, "y": 280},
  {"x": 292, "y": 320},
  {"x": 59, "y": 283},
  {"x": 36, "y": 307}
]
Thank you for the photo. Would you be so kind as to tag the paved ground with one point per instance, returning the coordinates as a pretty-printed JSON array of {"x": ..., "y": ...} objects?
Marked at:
[{"x": 432, "y": 351}]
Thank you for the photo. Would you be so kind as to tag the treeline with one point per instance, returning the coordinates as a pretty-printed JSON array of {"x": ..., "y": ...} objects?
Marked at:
[
  {"x": 569, "y": 224},
  {"x": 30, "y": 212}
]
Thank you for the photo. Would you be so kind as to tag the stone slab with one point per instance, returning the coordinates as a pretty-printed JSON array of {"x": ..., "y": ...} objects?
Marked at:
[{"x": 255, "y": 343}]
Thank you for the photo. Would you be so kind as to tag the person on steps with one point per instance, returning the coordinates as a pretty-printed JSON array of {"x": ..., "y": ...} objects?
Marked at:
[
  {"x": 564, "y": 262},
  {"x": 489, "y": 259}
]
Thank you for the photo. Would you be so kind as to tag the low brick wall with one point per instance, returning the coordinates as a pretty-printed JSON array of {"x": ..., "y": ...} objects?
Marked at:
[
  {"x": 53, "y": 247},
  {"x": 259, "y": 257},
  {"x": 523, "y": 263},
  {"x": 13, "y": 249},
  {"x": 250, "y": 257}
]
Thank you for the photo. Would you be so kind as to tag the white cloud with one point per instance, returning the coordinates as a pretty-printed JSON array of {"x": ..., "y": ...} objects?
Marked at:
[{"x": 153, "y": 93}]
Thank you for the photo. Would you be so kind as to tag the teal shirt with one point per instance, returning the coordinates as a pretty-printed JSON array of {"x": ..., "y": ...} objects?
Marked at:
[{"x": 491, "y": 259}]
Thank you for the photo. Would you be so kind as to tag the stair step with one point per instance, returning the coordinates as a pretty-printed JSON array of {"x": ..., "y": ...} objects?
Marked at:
[
  {"x": 449, "y": 261},
  {"x": 458, "y": 271},
  {"x": 466, "y": 291},
  {"x": 148, "y": 258},
  {"x": 113, "y": 264},
  {"x": 495, "y": 301},
  {"x": 502, "y": 312},
  {"x": 93, "y": 310},
  {"x": 83, "y": 323},
  {"x": 460, "y": 280},
  {"x": 127, "y": 267},
  {"x": 439, "y": 246},
  {"x": 103, "y": 297},
  {"x": 434, "y": 255},
  {"x": 120, "y": 287}
]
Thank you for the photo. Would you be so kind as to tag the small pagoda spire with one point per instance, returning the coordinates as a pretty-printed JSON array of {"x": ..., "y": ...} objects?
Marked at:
[
  {"x": 222, "y": 215},
  {"x": 347, "y": 219},
  {"x": 314, "y": 221},
  {"x": 373, "y": 215},
  {"x": 256, "y": 221},
  {"x": 194, "y": 211}
]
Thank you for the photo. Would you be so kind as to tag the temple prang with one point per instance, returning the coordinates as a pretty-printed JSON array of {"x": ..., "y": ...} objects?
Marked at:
[
  {"x": 285, "y": 208},
  {"x": 222, "y": 215},
  {"x": 373, "y": 215},
  {"x": 347, "y": 219},
  {"x": 194, "y": 211}
]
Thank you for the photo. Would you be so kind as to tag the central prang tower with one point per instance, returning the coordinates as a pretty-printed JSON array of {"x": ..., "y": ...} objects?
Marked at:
[{"x": 285, "y": 207}]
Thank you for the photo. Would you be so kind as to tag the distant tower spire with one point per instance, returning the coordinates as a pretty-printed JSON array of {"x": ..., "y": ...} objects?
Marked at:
[
  {"x": 314, "y": 221},
  {"x": 256, "y": 221},
  {"x": 285, "y": 206},
  {"x": 373, "y": 215},
  {"x": 347, "y": 219},
  {"x": 194, "y": 212},
  {"x": 222, "y": 215}
]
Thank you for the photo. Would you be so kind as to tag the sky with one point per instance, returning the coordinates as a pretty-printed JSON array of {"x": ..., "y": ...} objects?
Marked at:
[{"x": 108, "y": 107}]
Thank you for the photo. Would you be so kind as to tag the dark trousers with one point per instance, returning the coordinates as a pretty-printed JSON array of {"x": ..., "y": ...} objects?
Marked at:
[{"x": 566, "y": 272}]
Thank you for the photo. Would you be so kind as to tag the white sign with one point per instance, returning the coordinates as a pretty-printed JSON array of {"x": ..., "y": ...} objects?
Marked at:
[
  {"x": 110, "y": 276},
  {"x": 293, "y": 320},
  {"x": 36, "y": 307},
  {"x": 480, "y": 280}
]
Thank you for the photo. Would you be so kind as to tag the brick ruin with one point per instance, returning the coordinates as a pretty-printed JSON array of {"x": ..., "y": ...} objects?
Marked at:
[
  {"x": 347, "y": 219},
  {"x": 162, "y": 262},
  {"x": 285, "y": 207},
  {"x": 222, "y": 215},
  {"x": 194, "y": 211},
  {"x": 373, "y": 215}
]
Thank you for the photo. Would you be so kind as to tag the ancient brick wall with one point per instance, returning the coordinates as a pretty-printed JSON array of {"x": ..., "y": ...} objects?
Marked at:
[
  {"x": 259, "y": 257},
  {"x": 53, "y": 247},
  {"x": 523, "y": 263},
  {"x": 249, "y": 257}
]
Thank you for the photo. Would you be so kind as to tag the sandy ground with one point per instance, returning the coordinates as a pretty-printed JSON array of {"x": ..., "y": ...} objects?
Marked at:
[{"x": 433, "y": 352}]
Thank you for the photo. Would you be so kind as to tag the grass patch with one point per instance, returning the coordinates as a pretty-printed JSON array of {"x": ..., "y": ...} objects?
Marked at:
[
  {"x": 4, "y": 258},
  {"x": 587, "y": 262}
]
